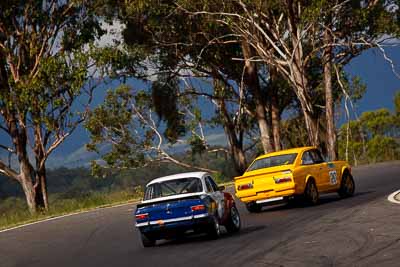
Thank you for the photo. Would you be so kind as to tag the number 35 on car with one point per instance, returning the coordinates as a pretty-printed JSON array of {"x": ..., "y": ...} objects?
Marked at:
[{"x": 280, "y": 176}]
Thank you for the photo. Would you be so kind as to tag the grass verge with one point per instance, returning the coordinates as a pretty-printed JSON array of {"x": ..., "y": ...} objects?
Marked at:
[{"x": 14, "y": 211}]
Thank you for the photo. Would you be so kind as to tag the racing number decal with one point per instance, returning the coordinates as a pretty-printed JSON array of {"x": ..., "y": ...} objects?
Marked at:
[{"x": 333, "y": 177}]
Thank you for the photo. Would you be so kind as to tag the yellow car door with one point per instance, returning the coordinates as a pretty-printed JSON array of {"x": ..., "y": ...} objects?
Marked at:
[
  {"x": 310, "y": 167},
  {"x": 322, "y": 169},
  {"x": 333, "y": 171}
]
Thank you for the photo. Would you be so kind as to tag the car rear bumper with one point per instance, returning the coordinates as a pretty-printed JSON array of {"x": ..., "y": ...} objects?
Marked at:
[
  {"x": 269, "y": 196},
  {"x": 165, "y": 228}
]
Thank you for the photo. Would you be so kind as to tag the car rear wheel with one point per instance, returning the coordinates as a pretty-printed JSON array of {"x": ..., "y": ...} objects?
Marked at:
[
  {"x": 311, "y": 194},
  {"x": 347, "y": 186},
  {"x": 147, "y": 241},
  {"x": 233, "y": 224},
  {"x": 253, "y": 207},
  {"x": 214, "y": 229}
]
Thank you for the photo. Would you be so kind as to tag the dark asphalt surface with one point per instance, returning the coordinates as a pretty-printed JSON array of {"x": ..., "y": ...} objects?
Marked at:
[{"x": 360, "y": 231}]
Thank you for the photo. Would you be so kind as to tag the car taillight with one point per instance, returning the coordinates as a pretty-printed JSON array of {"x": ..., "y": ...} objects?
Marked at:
[
  {"x": 245, "y": 186},
  {"x": 198, "y": 207},
  {"x": 142, "y": 216},
  {"x": 282, "y": 180}
]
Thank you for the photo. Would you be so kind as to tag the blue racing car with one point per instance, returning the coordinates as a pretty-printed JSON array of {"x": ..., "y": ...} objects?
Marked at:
[{"x": 185, "y": 203}]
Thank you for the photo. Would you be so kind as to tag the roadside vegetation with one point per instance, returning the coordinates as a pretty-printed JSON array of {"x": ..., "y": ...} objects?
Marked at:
[{"x": 269, "y": 75}]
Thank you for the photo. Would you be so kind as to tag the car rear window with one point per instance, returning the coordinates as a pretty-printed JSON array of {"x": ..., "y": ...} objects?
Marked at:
[
  {"x": 272, "y": 161},
  {"x": 173, "y": 187}
]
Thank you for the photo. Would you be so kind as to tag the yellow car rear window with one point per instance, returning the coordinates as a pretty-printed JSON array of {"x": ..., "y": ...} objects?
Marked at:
[{"x": 272, "y": 161}]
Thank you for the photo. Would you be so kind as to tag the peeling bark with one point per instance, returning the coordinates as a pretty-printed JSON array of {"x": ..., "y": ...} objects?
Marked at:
[
  {"x": 235, "y": 140},
  {"x": 275, "y": 118},
  {"x": 330, "y": 124},
  {"x": 253, "y": 85}
]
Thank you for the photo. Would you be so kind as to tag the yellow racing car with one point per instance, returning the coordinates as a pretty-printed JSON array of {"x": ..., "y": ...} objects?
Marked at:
[{"x": 283, "y": 175}]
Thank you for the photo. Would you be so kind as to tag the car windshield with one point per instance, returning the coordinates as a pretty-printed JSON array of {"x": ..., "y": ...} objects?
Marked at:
[
  {"x": 173, "y": 187},
  {"x": 272, "y": 161}
]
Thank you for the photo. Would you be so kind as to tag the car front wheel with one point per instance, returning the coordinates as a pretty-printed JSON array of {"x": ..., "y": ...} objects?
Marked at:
[{"x": 347, "y": 186}]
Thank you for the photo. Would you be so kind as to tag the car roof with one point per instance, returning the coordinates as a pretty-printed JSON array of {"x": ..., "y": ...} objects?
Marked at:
[
  {"x": 177, "y": 176},
  {"x": 286, "y": 151}
]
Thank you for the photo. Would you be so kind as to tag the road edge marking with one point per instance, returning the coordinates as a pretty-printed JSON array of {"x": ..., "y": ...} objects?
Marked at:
[
  {"x": 68, "y": 215},
  {"x": 392, "y": 198}
]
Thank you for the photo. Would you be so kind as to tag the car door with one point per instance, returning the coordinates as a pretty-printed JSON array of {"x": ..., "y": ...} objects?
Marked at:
[
  {"x": 322, "y": 169},
  {"x": 328, "y": 173},
  {"x": 216, "y": 195},
  {"x": 311, "y": 167}
]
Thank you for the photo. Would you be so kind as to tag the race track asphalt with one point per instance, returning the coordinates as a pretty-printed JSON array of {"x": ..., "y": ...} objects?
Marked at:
[{"x": 360, "y": 231}]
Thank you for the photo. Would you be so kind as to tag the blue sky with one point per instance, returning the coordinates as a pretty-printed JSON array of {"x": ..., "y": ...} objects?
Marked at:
[{"x": 377, "y": 74}]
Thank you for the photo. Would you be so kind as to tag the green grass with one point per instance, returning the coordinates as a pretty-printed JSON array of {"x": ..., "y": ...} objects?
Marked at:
[{"x": 14, "y": 212}]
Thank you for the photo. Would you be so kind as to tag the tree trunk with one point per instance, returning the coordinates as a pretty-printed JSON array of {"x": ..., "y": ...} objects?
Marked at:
[
  {"x": 25, "y": 178},
  {"x": 236, "y": 148},
  {"x": 42, "y": 202},
  {"x": 330, "y": 124},
  {"x": 301, "y": 90},
  {"x": 253, "y": 85},
  {"x": 275, "y": 118},
  {"x": 235, "y": 143},
  {"x": 239, "y": 159},
  {"x": 298, "y": 74}
]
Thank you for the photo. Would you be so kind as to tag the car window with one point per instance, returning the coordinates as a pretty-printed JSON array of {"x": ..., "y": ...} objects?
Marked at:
[
  {"x": 307, "y": 158},
  {"x": 208, "y": 185},
  {"x": 316, "y": 155},
  {"x": 173, "y": 187},
  {"x": 272, "y": 161},
  {"x": 213, "y": 184}
]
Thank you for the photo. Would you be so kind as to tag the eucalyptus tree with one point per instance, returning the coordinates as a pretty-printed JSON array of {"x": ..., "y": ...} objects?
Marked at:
[
  {"x": 45, "y": 67},
  {"x": 183, "y": 48},
  {"x": 290, "y": 34}
]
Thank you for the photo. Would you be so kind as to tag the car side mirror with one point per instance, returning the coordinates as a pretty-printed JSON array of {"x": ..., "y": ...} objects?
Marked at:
[{"x": 221, "y": 188}]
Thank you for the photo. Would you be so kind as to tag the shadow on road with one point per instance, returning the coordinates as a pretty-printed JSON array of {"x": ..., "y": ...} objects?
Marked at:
[
  {"x": 204, "y": 238},
  {"x": 324, "y": 200}
]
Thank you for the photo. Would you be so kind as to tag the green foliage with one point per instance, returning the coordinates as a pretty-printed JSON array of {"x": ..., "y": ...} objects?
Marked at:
[
  {"x": 397, "y": 103},
  {"x": 379, "y": 122},
  {"x": 373, "y": 138},
  {"x": 47, "y": 59},
  {"x": 165, "y": 99},
  {"x": 197, "y": 145},
  {"x": 112, "y": 123},
  {"x": 127, "y": 133}
]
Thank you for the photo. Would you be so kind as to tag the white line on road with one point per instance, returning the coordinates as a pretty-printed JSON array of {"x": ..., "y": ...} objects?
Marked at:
[
  {"x": 66, "y": 215},
  {"x": 392, "y": 198}
]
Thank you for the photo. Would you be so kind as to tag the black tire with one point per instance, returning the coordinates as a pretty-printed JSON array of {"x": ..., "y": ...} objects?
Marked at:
[
  {"x": 253, "y": 207},
  {"x": 214, "y": 229},
  {"x": 147, "y": 241},
  {"x": 347, "y": 186},
  {"x": 311, "y": 194},
  {"x": 234, "y": 223}
]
